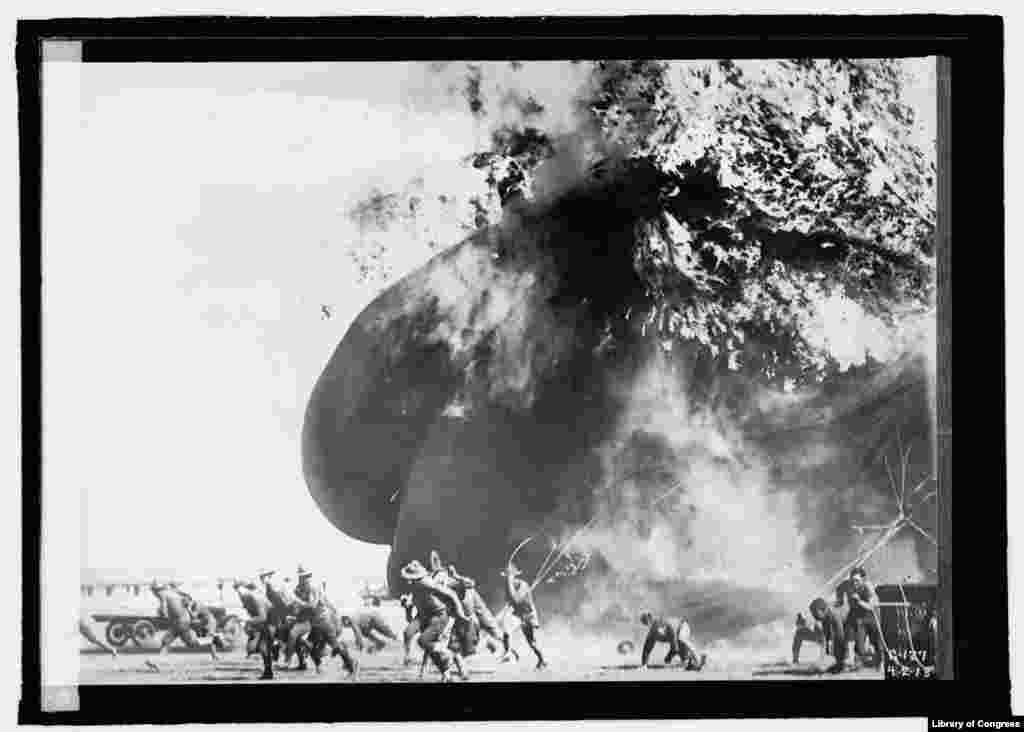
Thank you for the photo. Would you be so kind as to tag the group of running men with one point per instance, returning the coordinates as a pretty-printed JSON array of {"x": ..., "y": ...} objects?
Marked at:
[
  {"x": 447, "y": 618},
  {"x": 444, "y": 614}
]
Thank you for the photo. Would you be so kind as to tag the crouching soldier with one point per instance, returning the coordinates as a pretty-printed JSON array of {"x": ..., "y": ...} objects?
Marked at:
[
  {"x": 314, "y": 614},
  {"x": 259, "y": 627},
  {"x": 832, "y": 632},
  {"x": 674, "y": 632},
  {"x": 807, "y": 632},
  {"x": 435, "y": 605}
]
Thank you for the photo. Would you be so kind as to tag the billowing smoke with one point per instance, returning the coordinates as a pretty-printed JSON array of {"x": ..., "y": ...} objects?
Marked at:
[{"x": 732, "y": 260}]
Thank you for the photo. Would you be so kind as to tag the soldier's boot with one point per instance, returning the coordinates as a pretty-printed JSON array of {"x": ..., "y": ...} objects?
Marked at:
[
  {"x": 268, "y": 667},
  {"x": 460, "y": 668}
]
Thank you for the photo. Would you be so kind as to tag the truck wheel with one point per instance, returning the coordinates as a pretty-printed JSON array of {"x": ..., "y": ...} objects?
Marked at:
[
  {"x": 143, "y": 632},
  {"x": 118, "y": 633}
]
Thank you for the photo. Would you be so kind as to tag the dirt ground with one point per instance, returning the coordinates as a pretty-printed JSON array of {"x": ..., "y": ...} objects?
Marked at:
[{"x": 183, "y": 666}]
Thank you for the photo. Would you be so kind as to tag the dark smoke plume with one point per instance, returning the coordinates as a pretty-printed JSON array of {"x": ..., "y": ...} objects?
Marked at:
[{"x": 687, "y": 345}]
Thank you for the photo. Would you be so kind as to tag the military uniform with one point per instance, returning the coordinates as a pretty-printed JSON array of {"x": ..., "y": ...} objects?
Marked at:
[
  {"x": 861, "y": 622},
  {"x": 806, "y": 632},
  {"x": 519, "y": 603},
  {"x": 832, "y": 631},
  {"x": 282, "y": 616},
  {"x": 314, "y": 613},
  {"x": 176, "y": 608},
  {"x": 674, "y": 632},
  {"x": 259, "y": 627},
  {"x": 433, "y": 615},
  {"x": 374, "y": 627},
  {"x": 483, "y": 619}
]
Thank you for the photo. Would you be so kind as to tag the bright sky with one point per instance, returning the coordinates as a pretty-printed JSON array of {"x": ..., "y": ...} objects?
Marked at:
[{"x": 195, "y": 224}]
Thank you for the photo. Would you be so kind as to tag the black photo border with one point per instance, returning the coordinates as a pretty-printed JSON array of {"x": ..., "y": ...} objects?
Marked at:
[{"x": 975, "y": 659}]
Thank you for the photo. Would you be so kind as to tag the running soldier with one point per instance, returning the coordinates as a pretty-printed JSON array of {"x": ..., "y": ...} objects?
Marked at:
[
  {"x": 483, "y": 619},
  {"x": 259, "y": 627},
  {"x": 340, "y": 621},
  {"x": 674, "y": 632},
  {"x": 174, "y": 607},
  {"x": 315, "y": 614},
  {"x": 204, "y": 622},
  {"x": 412, "y": 627},
  {"x": 85, "y": 630},
  {"x": 372, "y": 625},
  {"x": 282, "y": 617},
  {"x": 435, "y": 605},
  {"x": 519, "y": 603}
]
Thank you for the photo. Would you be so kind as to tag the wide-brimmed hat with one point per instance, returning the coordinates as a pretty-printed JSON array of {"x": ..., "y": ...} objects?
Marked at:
[
  {"x": 414, "y": 571},
  {"x": 266, "y": 573},
  {"x": 302, "y": 572}
]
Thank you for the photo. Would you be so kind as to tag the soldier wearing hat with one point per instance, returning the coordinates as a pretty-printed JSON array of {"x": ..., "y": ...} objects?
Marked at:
[
  {"x": 676, "y": 633},
  {"x": 259, "y": 627},
  {"x": 314, "y": 614},
  {"x": 519, "y": 604},
  {"x": 435, "y": 604}
]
